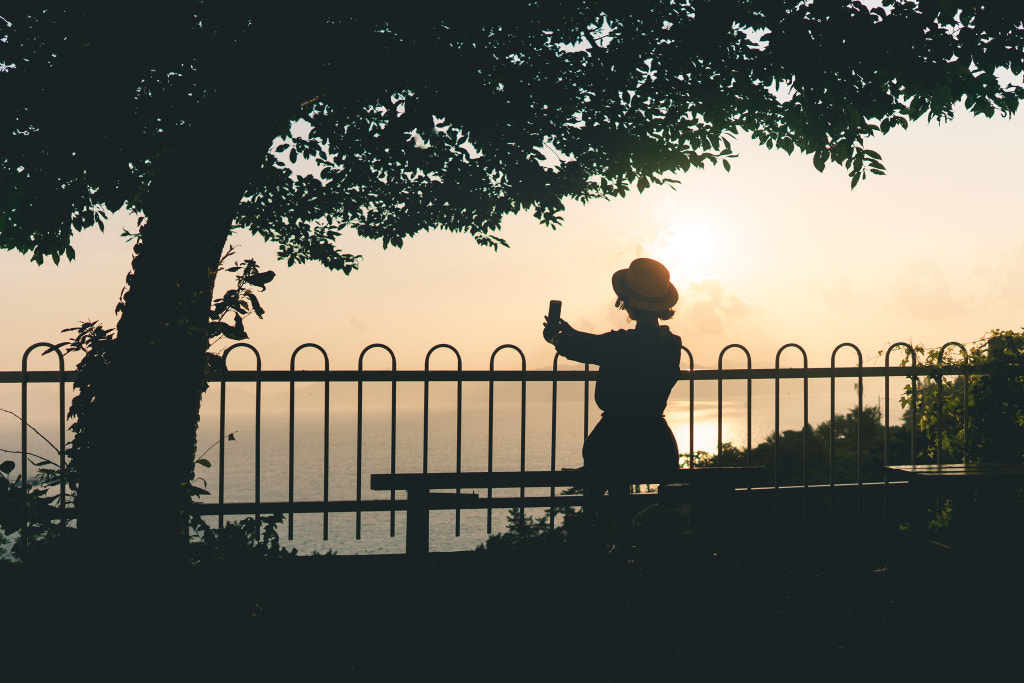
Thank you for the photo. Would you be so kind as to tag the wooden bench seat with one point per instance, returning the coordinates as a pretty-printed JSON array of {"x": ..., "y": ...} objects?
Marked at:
[{"x": 421, "y": 488}]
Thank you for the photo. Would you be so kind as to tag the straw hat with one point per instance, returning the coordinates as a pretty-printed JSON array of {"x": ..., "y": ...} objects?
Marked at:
[{"x": 645, "y": 284}]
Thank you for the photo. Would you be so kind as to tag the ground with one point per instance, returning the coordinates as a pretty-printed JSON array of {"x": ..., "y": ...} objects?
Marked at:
[{"x": 840, "y": 604}]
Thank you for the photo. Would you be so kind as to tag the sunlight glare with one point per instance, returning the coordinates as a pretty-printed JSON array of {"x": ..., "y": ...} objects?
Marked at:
[{"x": 687, "y": 250}]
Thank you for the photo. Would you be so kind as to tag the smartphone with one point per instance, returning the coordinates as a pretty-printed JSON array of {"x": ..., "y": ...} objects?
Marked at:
[{"x": 554, "y": 311}]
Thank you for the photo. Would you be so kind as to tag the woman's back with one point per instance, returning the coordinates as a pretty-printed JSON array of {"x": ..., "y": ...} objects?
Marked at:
[{"x": 637, "y": 368}]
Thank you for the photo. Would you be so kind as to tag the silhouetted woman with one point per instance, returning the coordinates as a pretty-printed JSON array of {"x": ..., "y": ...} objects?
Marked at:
[{"x": 638, "y": 369}]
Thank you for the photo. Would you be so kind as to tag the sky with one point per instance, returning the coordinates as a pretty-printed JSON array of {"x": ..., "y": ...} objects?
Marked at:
[{"x": 770, "y": 253}]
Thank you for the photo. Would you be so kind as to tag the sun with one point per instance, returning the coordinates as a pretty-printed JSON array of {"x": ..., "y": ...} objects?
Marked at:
[{"x": 688, "y": 250}]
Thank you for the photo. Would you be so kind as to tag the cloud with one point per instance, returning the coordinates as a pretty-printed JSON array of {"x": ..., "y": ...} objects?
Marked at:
[
  {"x": 922, "y": 291},
  {"x": 1002, "y": 277},
  {"x": 706, "y": 307},
  {"x": 840, "y": 295}
]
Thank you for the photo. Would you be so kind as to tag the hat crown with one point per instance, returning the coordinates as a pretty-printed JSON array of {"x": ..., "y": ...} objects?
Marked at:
[
  {"x": 648, "y": 278},
  {"x": 646, "y": 284}
]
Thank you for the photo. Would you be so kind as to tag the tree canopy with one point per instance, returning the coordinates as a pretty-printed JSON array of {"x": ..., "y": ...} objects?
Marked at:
[{"x": 430, "y": 117}]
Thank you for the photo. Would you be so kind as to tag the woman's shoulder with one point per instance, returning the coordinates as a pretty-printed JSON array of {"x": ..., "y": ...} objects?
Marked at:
[
  {"x": 660, "y": 335},
  {"x": 615, "y": 338},
  {"x": 671, "y": 337},
  {"x": 671, "y": 340}
]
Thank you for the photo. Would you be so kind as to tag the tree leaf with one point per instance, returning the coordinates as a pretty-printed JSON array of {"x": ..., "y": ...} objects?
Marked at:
[
  {"x": 256, "y": 308},
  {"x": 820, "y": 157},
  {"x": 260, "y": 279}
]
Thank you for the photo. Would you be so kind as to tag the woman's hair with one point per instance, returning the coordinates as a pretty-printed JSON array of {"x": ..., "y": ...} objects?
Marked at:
[{"x": 641, "y": 315}]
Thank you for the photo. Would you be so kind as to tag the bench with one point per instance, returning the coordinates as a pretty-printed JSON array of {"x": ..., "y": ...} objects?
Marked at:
[
  {"x": 995, "y": 483},
  {"x": 419, "y": 486}
]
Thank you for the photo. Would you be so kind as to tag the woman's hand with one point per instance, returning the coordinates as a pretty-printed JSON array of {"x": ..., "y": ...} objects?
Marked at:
[
  {"x": 550, "y": 331},
  {"x": 553, "y": 329}
]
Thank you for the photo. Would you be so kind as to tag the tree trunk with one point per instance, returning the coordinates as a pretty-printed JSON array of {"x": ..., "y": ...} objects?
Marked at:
[
  {"x": 145, "y": 413},
  {"x": 137, "y": 439}
]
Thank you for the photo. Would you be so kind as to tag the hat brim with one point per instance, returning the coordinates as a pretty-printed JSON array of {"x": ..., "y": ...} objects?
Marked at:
[{"x": 644, "y": 303}]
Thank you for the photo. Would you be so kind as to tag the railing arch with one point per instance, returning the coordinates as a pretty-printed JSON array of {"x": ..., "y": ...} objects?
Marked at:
[
  {"x": 750, "y": 391},
  {"x": 223, "y": 436},
  {"x": 689, "y": 357},
  {"x": 490, "y": 420},
  {"x": 291, "y": 432},
  {"x": 832, "y": 410},
  {"x": 61, "y": 419},
  {"x": 805, "y": 422},
  {"x": 458, "y": 418},
  {"x": 554, "y": 411},
  {"x": 913, "y": 402},
  {"x": 359, "y": 433},
  {"x": 939, "y": 398}
]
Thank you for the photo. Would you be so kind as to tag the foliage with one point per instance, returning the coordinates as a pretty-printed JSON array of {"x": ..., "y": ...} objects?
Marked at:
[
  {"x": 239, "y": 301},
  {"x": 793, "y": 452},
  {"x": 453, "y": 119},
  {"x": 30, "y": 508},
  {"x": 856, "y": 441},
  {"x": 524, "y": 533},
  {"x": 974, "y": 418},
  {"x": 245, "y": 539}
]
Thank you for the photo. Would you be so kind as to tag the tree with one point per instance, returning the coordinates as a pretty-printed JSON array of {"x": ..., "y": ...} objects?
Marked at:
[
  {"x": 414, "y": 116},
  {"x": 975, "y": 416},
  {"x": 846, "y": 449}
]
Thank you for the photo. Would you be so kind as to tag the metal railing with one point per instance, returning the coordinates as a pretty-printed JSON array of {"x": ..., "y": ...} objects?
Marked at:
[{"x": 690, "y": 378}]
